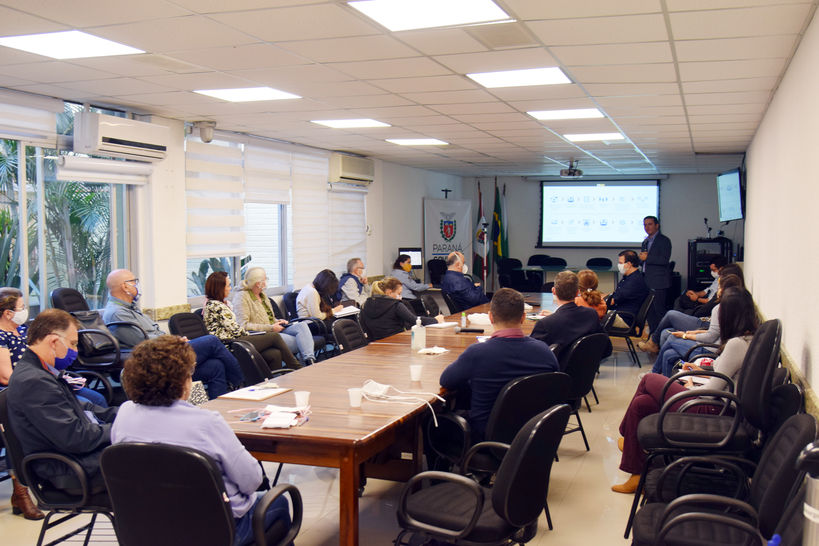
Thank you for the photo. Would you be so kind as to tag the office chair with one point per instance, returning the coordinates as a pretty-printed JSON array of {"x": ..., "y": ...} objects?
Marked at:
[
  {"x": 638, "y": 323},
  {"x": 316, "y": 326},
  {"x": 436, "y": 269},
  {"x": 450, "y": 302},
  {"x": 602, "y": 264},
  {"x": 189, "y": 325},
  {"x": 349, "y": 335},
  {"x": 168, "y": 495},
  {"x": 253, "y": 365}
]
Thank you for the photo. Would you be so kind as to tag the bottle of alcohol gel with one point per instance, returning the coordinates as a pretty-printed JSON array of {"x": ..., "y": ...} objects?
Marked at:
[
  {"x": 419, "y": 336},
  {"x": 463, "y": 320}
]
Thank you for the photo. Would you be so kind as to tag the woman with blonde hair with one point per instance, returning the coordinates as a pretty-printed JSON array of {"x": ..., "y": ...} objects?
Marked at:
[
  {"x": 589, "y": 295},
  {"x": 386, "y": 314}
]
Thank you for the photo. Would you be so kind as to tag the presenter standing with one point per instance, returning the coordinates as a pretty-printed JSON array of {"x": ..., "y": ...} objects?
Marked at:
[{"x": 655, "y": 254}]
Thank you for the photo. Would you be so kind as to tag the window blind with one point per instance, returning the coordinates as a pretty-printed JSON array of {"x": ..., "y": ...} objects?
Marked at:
[
  {"x": 268, "y": 173},
  {"x": 30, "y": 118},
  {"x": 348, "y": 227},
  {"x": 311, "y": 239}
]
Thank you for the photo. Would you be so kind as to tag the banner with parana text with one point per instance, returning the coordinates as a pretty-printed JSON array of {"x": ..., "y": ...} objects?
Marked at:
[{"x": 447, "y": 228}]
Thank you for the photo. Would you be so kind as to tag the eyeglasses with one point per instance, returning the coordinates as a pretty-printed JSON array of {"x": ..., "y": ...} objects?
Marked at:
[
  {"x": 132, "y": 281},
  {"x": 73, "y": 344}
]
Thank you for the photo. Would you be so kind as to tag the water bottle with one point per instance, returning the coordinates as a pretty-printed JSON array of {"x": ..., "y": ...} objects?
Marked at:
[
  {"x": 463, "y": 320},
  {"x": 419, "y": 336}
]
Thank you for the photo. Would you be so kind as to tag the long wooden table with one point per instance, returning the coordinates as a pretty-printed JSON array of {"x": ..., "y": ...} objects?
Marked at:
[{"x": 342, "y": 437}]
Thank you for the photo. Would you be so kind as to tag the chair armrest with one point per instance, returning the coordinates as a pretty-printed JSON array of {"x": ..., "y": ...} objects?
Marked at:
[
  {"x": 698, "y": 346},
  {"x": 687, "y": 464},
  {"x": 697, "y": 393},
  {"x": 463, "y": 481},
  {"x": 713, "y": 518},
  {"x": 118, "y": 324},
  {"x": 478, "y": 447},
  {"x": 31, "y": 479},
  {"x": 281, "y": 371},
  {"x": 625, "y": 315},
  {"x": 696, "y": 502},
  {"x": 88, "y": 374},
  {"x": 317, "y": 326},
  {"x": 265, "y": 502},
  {"x": 709, "y": 373}
]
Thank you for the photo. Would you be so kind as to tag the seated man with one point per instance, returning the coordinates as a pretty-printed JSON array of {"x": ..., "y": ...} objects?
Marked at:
[
  {"x": 569, "y": 322},
  {"x": 353, "y": 284},
  {"x": 458, "y": 286},
  {"x": 43, "y": 411},
  {"x": 485, "y": 368},
  {"x": 692, "y": 300},
  {"x": 215, "y": 366},
  {"x": 631, "y": 291}
]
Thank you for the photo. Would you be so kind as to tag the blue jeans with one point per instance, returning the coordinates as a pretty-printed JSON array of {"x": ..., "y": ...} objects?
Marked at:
[
  {"x": 673, "y": 350},
  {"x": 675, "y": 321},
  {"x": 299, "y": 340},
  {"x": 215, "y": 366},
  {"x": 278, "y": 510},
  {"x": 89, "y": 395}
]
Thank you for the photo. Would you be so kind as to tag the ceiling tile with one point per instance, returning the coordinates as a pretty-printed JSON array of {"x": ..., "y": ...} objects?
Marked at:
[
  {"x": 426, "y": 84},
  {"x": 749, "y": 97},
  {"x": 91, "y": 13},
  {"x": 53, "y": 71},
  {"x": 595, "y": 55},
  {"x": 393, "y": 68},
  {"x": 218, "y": 6},
  {"x": 759, "y": 68},
  {"x": 202, "y": 80},
  {"x": 337, "y": 89},
  {"x": 538, "y": 92},
  {"x": 137, "y": 65},
  {"x": 726, "y": 109},
  {"x": 566, "y": 9},
  {"x": 360, "y": 48},
  {"x": 632, "y": 73},
  {"x": 116, "y": 86},
  {"x": 472, "y": 108},
  {"x": 725, "y": 86},
  {"x": 163, "y": 35},
  {"x": 369, "y": 101},
  {"x": 531, "y": 57},
  {"x": 14, "y": 22},
  {"x": 239, "y": 57},
  {"x": 451, "y": 97},
  {"x": 293, "y": 75},
  {"x": 440, "y": 42},
  {"x": 601, "y": 30},
  {"x": 763, "y": 47},
  {"x": 630, "y": 89},
  {"x": 689, "y": 5},
  {"x": 744, "y": 22}
]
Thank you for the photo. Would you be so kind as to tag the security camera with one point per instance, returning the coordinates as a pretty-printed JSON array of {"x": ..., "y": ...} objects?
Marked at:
[{"x": 205, "y": 130}]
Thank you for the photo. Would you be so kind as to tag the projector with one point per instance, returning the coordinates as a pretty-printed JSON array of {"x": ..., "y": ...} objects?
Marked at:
[{"x": 572, "y": 171}]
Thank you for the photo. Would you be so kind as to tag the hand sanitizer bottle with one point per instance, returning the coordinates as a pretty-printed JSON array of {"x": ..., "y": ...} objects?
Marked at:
[
  {"x": 419, "y": 336},
  {"x": 463, "y": 320}
]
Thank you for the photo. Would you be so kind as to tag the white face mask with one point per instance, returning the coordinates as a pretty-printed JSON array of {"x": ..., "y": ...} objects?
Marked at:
[
  {"x": 465, "y": 269},
  {"x": 715, "y": 274},
  {"x": 621, "y": 268},
  {"x": 20, "y": 317},
  {"x": 363, "y": 272}
]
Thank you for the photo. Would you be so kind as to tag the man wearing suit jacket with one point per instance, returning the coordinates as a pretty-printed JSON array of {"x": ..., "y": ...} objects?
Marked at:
[
  {"x": 570, "y": 321},
  {"x": 654, "y": 255}
]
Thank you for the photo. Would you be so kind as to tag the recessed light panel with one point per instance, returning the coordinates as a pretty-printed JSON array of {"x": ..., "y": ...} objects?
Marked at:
[
  {"x": 412, "y": 14},
  {"x": 581, "y": 113},
  {"x": 417, "y": 141},
  {"x": 594, "y": 136},
  {"x": 247, "y": 94},
  {"x": 519, "y": 78},
  {"x": 350, "y": 123},
  {"x": 71, "y": 44}
]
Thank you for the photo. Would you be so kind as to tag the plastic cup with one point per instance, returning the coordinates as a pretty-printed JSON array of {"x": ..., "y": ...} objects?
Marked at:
[
  {"x": 415, "y": 371},
  {"x": 355, "y": 397},
  {"x": 302, "y": 399}
]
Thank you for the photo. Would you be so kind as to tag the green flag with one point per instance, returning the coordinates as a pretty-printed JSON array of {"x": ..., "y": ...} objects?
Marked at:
[{"x": 499, "y": 239}]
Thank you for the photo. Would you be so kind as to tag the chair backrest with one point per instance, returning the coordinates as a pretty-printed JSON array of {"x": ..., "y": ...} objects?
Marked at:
[
  {"x": 69, "y": 300},
  {"x": 289, "y": 301},
  {"x": 537, "y": 259},
  {"x": 522, "y": 481},
  {"x": 640, "y": 319},
  {"x": 98, "y": 340},
  {"x": 436, "y": 269},
  {"x": 598, "y": 263},
  {"x": 14, "y": 451},
  {"x": 349, "y": 335},
  {"x": 554, "y": 261},
  {"x": 430, "y": 305},
  {"x": 164, "y": 495},
  {"x": 582, "y": 361},
  {"x": 756, "y": 375},
  {"x": 786, "y": 400},
  {"x": 450, "y": 302},
  {"x": 277, "y": 312},
  {"x": 254, "y": 368},
  {"x": 189, "y": 325},
  {"x": 507, "y": 265},
  {"x": 523, "y": 398},
  {"x": 776, "y": 472}
]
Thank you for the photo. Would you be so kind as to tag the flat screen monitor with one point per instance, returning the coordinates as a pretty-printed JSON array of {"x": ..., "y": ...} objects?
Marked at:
[
  {"x": 416, "y": 256},
  {"x": 594, "y": 214},
  {"x": 729, "y": 193}
]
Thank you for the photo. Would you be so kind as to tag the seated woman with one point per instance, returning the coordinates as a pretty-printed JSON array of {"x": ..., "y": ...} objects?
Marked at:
[
  {"x": 387, "y": 315},
  {"x": 253, "y": 312},
  {"x": 738, "y": 322},
  {"x": 157, "y": 379},
  {"x": 316, "y": 299},
  {"x": 589, "y": 295},
  {"x": 675, "y": 344},
  {"x": 402, "y": 270},
  {"x": 221, "y": 322}
]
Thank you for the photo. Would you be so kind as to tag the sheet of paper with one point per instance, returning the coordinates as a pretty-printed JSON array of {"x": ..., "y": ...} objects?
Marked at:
[
  {"x": 280, "y": 420},
  {"x": 347, "y": 311},
  {"x": 442, "y": 325},
  {"x": 256, "y": 392}
]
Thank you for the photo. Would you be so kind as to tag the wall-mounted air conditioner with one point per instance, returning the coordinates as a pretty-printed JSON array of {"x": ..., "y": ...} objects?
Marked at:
[
  {"x": 100, "y": 134},
  {"x": 351, "y": 169}
]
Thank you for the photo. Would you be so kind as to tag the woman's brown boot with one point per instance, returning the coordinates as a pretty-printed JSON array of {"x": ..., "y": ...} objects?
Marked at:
[{"x": 21, "y": 503}]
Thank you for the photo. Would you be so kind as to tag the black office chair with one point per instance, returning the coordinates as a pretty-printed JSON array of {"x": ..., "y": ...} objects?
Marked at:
[
  {"x": 436, "y": 269},
  {"x": 430, "y": 305},
  {"x": 316, "y": 326},
  {"x": 349, "y": 335},
  {"x": 189, "y": 325},
  {"x": 555, "y": 262},
  {"x": 170, "y": 495},
  {"x": 89, "y": 498},
  {"x": 637, "y": 324},
  {"x": 601, "y": 264},
  {"x": 536, "y": 278},
  {"x": 450, "y": 302},
  {"x": 457, "y": 510},
  {"x": 582, "y": 362}
]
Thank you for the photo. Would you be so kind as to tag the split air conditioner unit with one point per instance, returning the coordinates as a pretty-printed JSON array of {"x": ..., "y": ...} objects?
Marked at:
[
  {"x": 100, "y": 134},
  {"x": 350, "y": 169}
]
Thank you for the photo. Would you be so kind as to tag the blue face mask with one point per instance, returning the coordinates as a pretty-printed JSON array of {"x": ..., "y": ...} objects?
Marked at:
[
  {"x": 61, "y": 363},
  {"x": 138, "y": 294}
]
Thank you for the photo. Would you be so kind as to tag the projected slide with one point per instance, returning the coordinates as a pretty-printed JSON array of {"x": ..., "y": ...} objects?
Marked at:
[
  {"x": 596, "y": 213},
  {"x": 730, "y": 196}
]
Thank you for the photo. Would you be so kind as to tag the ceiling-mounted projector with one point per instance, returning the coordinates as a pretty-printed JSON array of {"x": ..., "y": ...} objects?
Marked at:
[{"x": 572, "y": 171}]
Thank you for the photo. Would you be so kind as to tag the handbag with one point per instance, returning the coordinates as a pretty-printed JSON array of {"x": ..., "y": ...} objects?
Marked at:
[
  {"x": 198, "y": 394},
  {"x": 94, "y": 343}
]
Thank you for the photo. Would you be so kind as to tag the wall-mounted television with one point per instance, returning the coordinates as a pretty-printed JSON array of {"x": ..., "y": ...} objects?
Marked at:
[
  {"x": 729, "y": 193},
  {"x": 415, "y": 254}
]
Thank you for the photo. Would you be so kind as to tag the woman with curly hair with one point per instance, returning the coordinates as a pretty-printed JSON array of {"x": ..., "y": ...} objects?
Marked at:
[{"x": 157, "y": 379}]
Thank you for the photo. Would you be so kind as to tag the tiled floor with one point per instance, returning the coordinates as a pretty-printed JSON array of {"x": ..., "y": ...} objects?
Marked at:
[{"x": 583, "y": 508}]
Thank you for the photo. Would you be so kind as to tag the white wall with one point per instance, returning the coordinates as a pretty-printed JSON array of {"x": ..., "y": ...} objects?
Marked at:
[
  {"x": 684, "y": 201},
  {"x": 782, "y": 215}
]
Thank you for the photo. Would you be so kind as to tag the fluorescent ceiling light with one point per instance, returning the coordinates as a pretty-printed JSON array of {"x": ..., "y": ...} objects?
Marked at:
[
  {"x": 350, "y": 123},
  {"x": 580, "y": 113},
  {"x": 594, "y": 136},
  {"x": 519, "y": 78},
  {"x": 417, "y": 141},
  {"x": 412, "y": 14},
  {"x": 247, "y": 94},
  {"x": 71, "y": 44}
]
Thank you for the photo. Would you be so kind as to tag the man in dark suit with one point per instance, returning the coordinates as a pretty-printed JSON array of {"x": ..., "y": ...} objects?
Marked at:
[
  {"x": 463, "y": 291},
  {"x": 569, "y": 322},
  {"x": 654, "y": 256}
]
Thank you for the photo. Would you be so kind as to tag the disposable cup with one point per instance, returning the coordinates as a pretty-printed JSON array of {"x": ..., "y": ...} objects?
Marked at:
[
  {"x": 355, "y": 397},
  {"x": 415, "y": 371},
  {"x": 302, "y": 398}
]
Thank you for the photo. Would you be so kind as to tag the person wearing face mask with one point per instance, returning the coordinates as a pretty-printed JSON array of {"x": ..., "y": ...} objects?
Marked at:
[
  {"x": 353, "y": 286},
  {"x": 216, "y": 368},
  {"x": 45, "y": 414},
  {"x": 463, "y": 291},
  {"x": 385, "y": 315},
  {"x": 402, "y": 270},
  {"x": 691, "y": 300},
  {"x": 631, "y": 291}
]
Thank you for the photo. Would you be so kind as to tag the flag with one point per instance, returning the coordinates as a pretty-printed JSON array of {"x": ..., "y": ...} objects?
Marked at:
[
  {"x": 499, "y": 239},
  {"x": 478, "y": 265}
]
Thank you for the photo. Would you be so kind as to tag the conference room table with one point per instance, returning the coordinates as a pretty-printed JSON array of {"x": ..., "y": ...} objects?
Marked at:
[{"x": 380, "y": 439}]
